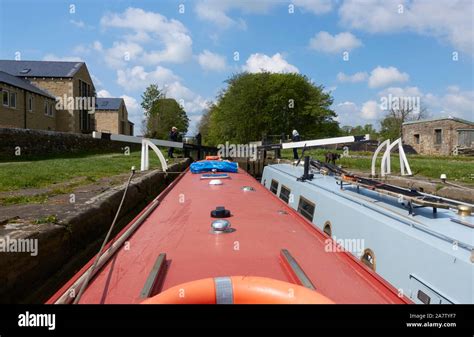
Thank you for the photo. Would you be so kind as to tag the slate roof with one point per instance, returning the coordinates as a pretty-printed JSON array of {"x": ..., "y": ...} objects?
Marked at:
[
  {"x": 40, "y": 68},
  {"x": 23, "y": 84},
  {"x": 108, "y": 103},
  {"x": 440, "y": 119}
]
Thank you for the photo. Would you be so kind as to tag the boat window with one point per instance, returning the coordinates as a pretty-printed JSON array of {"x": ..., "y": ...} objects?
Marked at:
[
  {"x": 423, "y": 297},
  {"x": 306, "y": 208},
  {"x": 274, "y": 186},
  {"x": 285, "y": 193},
  {"x": 327, "y": 228},
  {"x": 368, "y": 258}
]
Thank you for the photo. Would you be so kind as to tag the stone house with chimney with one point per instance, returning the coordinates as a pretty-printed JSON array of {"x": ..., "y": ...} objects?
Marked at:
[{"x": 441, "y": 136}]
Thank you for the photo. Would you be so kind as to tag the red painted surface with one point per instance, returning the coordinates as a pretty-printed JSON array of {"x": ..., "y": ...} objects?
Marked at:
[{"x": 180, "y": 226}]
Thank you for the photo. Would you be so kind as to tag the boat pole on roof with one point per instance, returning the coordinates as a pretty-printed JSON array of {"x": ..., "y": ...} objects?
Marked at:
[{"x": 99, "y": 254}]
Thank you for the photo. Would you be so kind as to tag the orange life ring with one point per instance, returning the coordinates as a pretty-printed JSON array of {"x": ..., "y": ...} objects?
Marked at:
[{"x": 238, "y": 290}]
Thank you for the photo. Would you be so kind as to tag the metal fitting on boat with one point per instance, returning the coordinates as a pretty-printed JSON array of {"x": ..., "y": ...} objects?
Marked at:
[
  {"x": 221, "y": 226},
  {"x": 220, "y": 212},
  {"x": 248, "y": 189},
  {"x": 464, "y": 210}
]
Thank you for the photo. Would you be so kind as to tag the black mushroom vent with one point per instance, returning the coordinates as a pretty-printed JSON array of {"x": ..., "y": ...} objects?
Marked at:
[{"x": 220, "y": 212}]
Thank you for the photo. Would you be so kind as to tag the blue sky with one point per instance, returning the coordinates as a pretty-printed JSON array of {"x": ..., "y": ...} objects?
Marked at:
[{"x": 415, "y": 48}]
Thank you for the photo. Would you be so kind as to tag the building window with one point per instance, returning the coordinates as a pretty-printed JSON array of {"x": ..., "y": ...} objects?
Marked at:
[
  {"x": 438, "y": 136},
  {"x": 50, "y": 109},
  {"x": 417, "y": 139},
  {"x": 13, "y": 100},
  {"x": 327, "y": 228},
  {"x": 306, "y": 208},
  {"x": 285, "y": 193},
  {"x": 30, "y": 103},
  {"x": 368, "y": 258},
  {"x": 46, "y": 108},
  {"x": 6, "y": 98},
  {"x": 274, "y": 186},
  {"x": 424, "y": 298}
]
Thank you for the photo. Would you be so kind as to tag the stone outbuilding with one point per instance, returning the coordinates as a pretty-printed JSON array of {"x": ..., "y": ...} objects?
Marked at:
[{"x": 441, "y": 136}]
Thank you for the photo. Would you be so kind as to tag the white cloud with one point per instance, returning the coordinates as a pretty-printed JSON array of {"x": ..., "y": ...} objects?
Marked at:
[
  {"x": 357, "y": 77},
  {"x": 327, "y": 43},
  {"x": 78, "y": 24},
  {"x": 137, "y": 79},
  {"x": 215, "y": 11},
  {"x": 380, "y": 77},
  {"x": 347, "y": 113},
  {"x": 453, "y": 102},
  {"x": 84, "y": 49},
  {"x": 276, "y": 64},
  {"x": 401, "y": 92},
  {"x": 350, "y": 113},
  {"x": 370, "y": 110},
  {"x": 53, "y": 57},
  {"x": 314, "y": 6},
  {"x": 169, "y": 34},
  {"x": 103, "y": 93},
  {"x": 191, "y": 101},
  {"x": 447, "y": 20},
  {"x": 211, "y": 61},
  {"x": 122, "y": 52},
  {"x": 134, "y": 109}
]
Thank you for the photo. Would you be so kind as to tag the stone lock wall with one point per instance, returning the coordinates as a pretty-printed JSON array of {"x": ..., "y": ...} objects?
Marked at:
[
  {"x": 38, "y": 143},
  {"x": 64, "y": 247}
]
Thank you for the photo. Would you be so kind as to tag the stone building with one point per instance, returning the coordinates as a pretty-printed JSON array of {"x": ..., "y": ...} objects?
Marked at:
[
  {"x": 440, "y": 136},
  {"x": 111, "y": 116},
  {"x": 69, "y": 82},
  {"x": 24, "y": 105}
]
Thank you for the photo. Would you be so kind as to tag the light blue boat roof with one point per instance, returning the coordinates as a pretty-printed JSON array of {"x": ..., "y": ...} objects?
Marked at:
[{"x": 439, "y": 224}]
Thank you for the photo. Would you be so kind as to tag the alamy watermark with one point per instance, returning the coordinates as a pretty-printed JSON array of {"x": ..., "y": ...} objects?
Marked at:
[
  {"x": 404, "y": 103},
  {"x": 335, "y": 245},
  {"x": 11, "y": 245},
  {"x": 237, "y": 150},
  {"x": 75, "y": 103}
]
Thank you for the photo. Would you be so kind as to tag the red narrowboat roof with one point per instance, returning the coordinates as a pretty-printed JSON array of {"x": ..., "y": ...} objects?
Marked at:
[{"x": 180, "y": 228}]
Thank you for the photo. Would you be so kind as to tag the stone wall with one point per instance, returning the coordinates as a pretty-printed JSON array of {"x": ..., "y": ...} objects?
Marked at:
[
  {"x": 39, "y": 143},
  {"x": 64, "y": 247}
]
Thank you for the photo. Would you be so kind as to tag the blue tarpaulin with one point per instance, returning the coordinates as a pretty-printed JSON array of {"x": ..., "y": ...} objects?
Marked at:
[{"x": 209, "y": 165}]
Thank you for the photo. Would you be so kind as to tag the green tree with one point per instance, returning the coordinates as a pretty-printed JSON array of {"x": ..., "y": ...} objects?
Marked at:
[
  {"x": 204, "y": 123},
  {"x": 392, "y": 123},
  {"x": 360, "y": 130},
  {"x": 266, "y": 103},
  {"x": 164, "y": 114},
  {"x": 390, "y": 128},
  {"x": 151, "y": 94}
]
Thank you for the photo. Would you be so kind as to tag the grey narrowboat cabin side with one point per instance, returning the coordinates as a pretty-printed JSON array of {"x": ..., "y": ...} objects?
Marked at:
[{"x": 426, "y": 253}]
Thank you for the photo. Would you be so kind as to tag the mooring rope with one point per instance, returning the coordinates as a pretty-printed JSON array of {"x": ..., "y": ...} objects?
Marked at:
[{"x": 94, "y": 265}]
